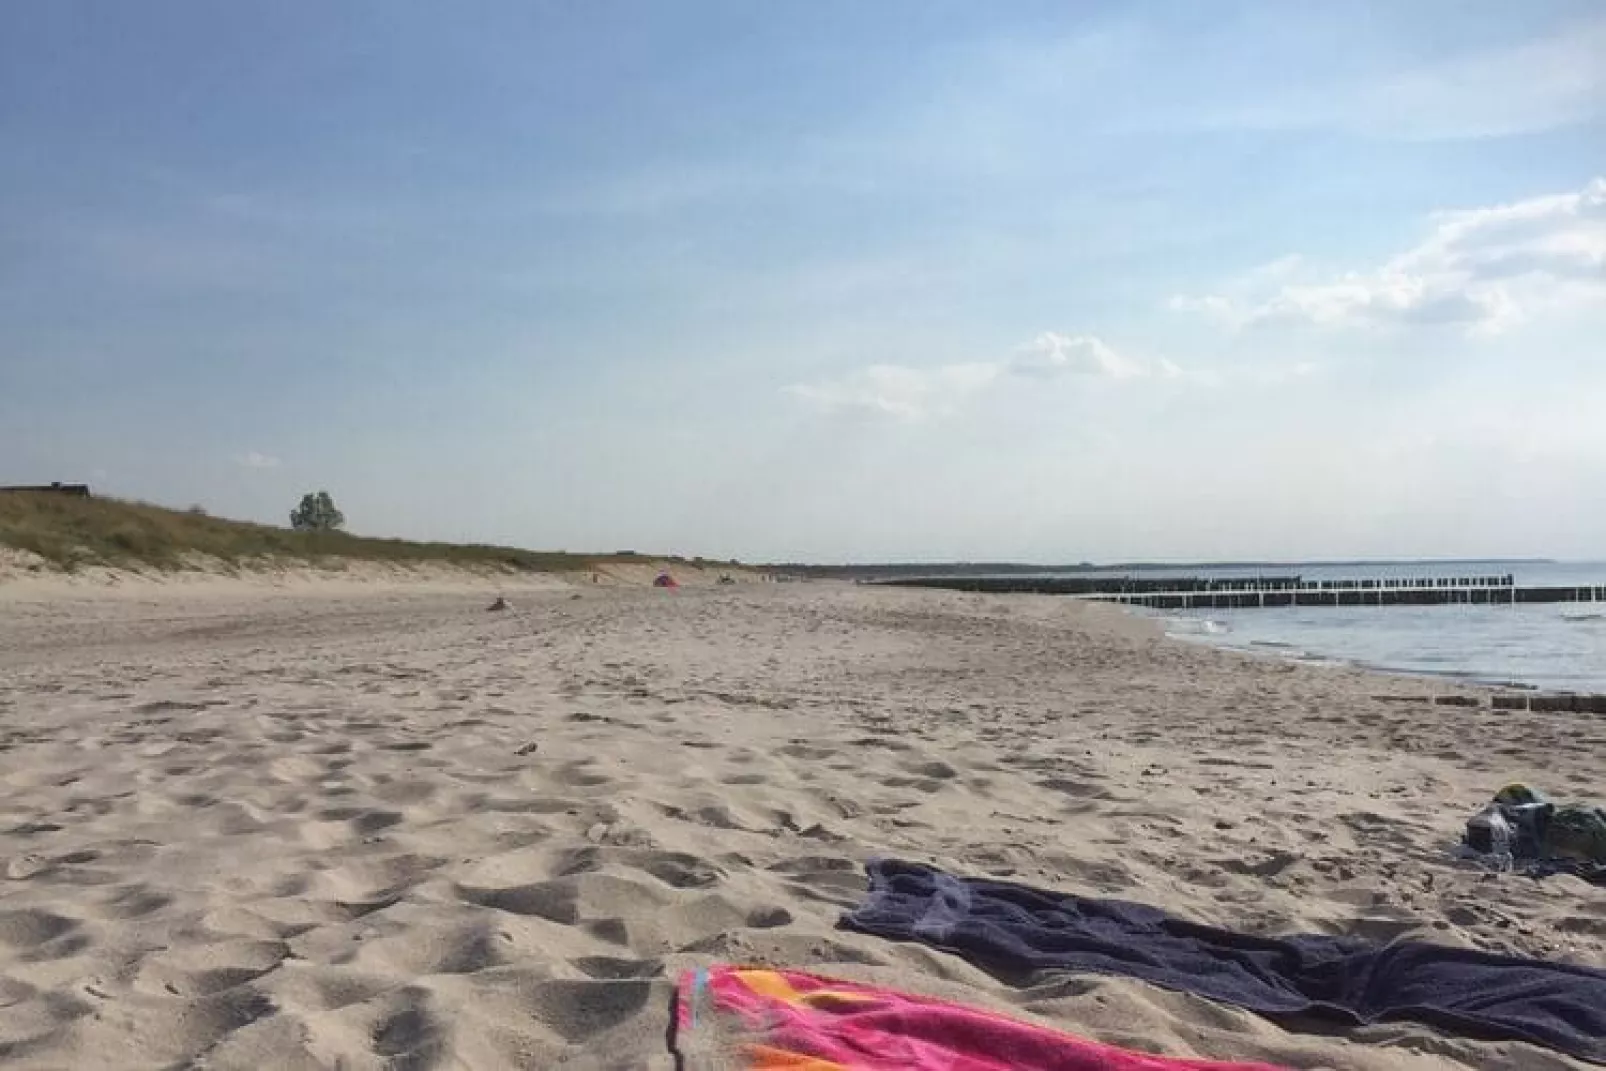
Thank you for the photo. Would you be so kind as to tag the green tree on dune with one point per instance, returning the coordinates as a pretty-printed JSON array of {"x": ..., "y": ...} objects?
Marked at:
[{"x": 317, "y": 513}]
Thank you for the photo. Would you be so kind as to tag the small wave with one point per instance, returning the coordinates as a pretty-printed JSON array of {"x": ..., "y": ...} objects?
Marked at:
[
  {"x": 1195, "y": 626},
  {"x": 1583, "y": 617},
  {"x": 1287, "y": 652}
]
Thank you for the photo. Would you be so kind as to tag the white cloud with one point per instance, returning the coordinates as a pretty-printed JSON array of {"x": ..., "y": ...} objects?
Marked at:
[
  {"x": 1484, "y": 269},
  {"x": 907, "y": 393},
  {"x": 254, "y": 460},
  {"x": 898, "y": 391},
  {"x": 1051, "y": 354},
  {"x": 1561, "y": 236}
]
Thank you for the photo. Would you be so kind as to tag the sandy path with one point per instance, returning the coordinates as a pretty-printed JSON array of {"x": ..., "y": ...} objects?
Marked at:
[{"x": 390, "y": 830}]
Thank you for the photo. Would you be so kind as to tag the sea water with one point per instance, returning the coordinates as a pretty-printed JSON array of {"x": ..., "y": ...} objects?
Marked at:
[{"x": 1556, "y": 646}]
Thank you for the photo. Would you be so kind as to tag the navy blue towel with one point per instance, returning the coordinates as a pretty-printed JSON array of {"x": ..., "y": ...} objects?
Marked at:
[{"x": 1015, "y": 931}]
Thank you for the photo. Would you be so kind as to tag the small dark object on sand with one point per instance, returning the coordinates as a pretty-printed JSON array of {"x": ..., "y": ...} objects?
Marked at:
[
  {"x": 499, "y": 604},
  {"x": 527, "y": 749}
]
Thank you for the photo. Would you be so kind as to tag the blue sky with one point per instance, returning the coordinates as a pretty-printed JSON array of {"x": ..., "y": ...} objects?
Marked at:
[{"x": 831, "y": 280}]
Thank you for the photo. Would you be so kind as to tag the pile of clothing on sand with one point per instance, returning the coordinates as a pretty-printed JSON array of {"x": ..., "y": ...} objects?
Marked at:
[{"x": 1522, "y": 829}]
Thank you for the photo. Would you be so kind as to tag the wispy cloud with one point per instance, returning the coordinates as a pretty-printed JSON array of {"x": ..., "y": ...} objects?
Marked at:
[
  {"x": 903, "y": 392},
  {"x": 1482, "y": 269},
  {"x": 255, "y": 460},
  {"x": 1524, "y": 87},
  {"x": 1051, "y": 354},
  {"x": 897, "y": 391}
]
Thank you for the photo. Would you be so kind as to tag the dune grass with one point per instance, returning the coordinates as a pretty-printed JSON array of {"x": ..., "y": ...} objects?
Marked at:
[{"x": 70, "y": 533}]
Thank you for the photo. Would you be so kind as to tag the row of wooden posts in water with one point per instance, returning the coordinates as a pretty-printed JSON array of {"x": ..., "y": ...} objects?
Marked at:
[{"x": 1235, "y": 593}]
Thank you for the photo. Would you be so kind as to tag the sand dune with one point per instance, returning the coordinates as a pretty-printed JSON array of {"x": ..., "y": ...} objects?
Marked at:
[{"x": 386, "y": 829}]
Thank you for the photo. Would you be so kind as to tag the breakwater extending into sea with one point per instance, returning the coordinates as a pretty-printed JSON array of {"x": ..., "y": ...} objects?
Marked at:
[{"x": 1474, "y": 622}]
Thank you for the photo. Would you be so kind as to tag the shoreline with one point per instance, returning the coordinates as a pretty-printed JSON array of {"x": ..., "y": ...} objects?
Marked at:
[
  {"x": 1280, "y": 652},
  {"x": 1299, "y": 653},
  {"x": 510, "y": 831}
]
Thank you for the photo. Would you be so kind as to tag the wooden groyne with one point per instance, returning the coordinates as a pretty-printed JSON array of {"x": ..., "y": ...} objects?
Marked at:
[
  {"x": 1238, "y": 593},
  {"x": 1558, "y": 703},
  {"x": 1534, "y": 702}
]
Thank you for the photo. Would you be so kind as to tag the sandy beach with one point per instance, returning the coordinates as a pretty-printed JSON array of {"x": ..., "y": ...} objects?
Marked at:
[{"x": 374, "y": 826}]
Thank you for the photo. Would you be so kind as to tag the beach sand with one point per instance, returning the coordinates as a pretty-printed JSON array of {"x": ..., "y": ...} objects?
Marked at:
[{"x": 374, "y": 826}]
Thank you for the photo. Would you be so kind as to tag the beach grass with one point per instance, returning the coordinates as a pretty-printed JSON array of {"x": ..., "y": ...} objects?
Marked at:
[{"x": 70, "y": 533}]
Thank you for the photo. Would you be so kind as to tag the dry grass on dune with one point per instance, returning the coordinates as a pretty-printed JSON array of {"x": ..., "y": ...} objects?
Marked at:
[{"x": 71, "y": 532}]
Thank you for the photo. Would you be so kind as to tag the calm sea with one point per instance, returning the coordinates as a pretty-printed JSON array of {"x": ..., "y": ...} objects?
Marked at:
[{"x": 1556, "y": 646}]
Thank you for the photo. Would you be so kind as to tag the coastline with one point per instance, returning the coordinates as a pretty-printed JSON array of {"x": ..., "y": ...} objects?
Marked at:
[
  {"x": 1324, "y": 649},
  {"x": 1295, "y": 655},
  {"x": 359, "y": 808}
]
